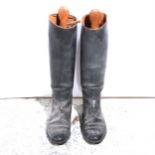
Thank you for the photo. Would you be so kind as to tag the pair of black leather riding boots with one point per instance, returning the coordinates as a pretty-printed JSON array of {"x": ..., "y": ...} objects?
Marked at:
[{"x": 62, "y": 44}]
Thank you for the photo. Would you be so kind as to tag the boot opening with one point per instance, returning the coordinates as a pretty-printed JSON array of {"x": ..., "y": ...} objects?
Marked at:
[
  {"x": 53, "y": 18},
  {"x": 88, "y": 23}
]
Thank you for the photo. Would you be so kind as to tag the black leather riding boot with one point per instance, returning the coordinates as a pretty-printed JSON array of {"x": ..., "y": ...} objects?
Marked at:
[
  {"x": 62, "y": 44},
  {"x": 93, "y": 63}
]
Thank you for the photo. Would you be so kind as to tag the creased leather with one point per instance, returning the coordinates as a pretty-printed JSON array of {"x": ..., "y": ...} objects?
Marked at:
[
  {"x": 93, "y": 64},
  {"x": 62, "y": 46}
]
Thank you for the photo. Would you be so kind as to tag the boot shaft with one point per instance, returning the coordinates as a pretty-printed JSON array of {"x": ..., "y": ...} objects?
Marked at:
[
  {"x": 62, "y": 46},
  {"x": 94, "y": 43}
]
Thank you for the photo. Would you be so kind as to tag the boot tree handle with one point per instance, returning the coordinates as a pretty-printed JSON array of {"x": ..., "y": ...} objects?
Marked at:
[
  {"x": 63, "y": 15},
  {"x": 96, "y": 18}
]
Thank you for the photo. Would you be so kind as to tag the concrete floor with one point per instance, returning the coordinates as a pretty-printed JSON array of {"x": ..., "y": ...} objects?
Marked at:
[{"x": 131, "y": 129}]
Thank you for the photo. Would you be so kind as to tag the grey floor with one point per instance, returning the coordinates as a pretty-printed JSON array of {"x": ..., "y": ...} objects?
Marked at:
[{"x": 131, "y": 129}]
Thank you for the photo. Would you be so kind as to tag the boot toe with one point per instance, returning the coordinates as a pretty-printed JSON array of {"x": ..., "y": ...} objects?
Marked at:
[
  {"x": 58, "y": 138},
  {"x": 94, "y": 136}
]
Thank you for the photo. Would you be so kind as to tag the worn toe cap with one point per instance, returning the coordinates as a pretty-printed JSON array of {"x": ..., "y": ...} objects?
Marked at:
[
  {"x": 58, "y": 137},
  {"x": 94, "y": 136}
]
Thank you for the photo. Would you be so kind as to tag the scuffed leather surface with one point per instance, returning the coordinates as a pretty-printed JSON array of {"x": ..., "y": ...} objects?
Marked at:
[
  {"x": 93, "y": 63},
  {"x": 62, "y": 45},
  {"x": 93, "y": 57}
]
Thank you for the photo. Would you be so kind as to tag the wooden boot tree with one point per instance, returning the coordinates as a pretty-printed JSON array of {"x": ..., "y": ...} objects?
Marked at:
[
  {"x": 63, "y": 15},
  {"x": 96, "y": 18}
]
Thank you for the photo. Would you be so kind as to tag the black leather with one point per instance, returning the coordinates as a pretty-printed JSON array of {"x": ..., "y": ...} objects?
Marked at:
[
  {"x": 93, "y": 63},
  {"x": 62, "y": 45}
]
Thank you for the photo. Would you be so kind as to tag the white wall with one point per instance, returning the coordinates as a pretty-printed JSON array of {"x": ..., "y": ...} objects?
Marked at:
[{"x": 24, "y": 61}]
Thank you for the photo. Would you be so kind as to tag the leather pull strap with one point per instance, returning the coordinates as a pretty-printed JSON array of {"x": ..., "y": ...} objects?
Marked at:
[
  {"x": 96, "y": 18},
  {"x": 63, "y": 15}
]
